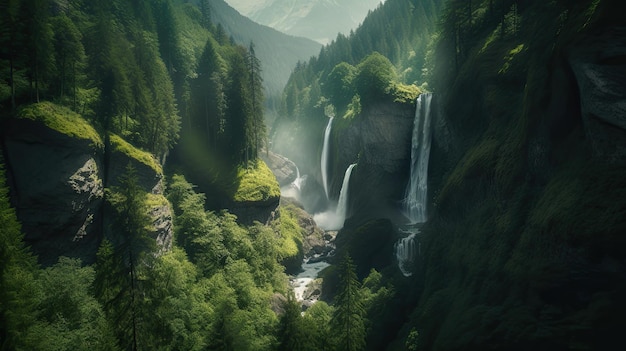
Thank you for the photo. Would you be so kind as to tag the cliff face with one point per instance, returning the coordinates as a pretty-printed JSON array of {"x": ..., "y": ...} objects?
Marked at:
[
  {"x": 57, "y": 187},
  {"x": 379, "y": 139},
  {"x": 525, "y": 246}
]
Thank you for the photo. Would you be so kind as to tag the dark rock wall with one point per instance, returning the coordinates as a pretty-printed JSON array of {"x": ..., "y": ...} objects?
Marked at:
[
  {"x": 379, "y": 140},
  {"x": 57, "y": 188}
]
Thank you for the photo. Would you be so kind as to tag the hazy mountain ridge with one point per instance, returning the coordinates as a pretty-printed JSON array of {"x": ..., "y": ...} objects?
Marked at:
[
  {"x": 276, "y": 50},
  {"x": 320, "y": 20}
]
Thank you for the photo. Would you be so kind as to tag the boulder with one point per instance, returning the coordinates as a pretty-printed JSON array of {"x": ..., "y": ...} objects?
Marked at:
[{"x": 284, "y": 170}]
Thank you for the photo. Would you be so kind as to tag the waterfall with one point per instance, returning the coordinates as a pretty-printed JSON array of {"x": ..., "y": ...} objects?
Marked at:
[
  {"x": 297, "y": 183},
  {"x": 294, "y": 188},
  {"x": 325, "y": 152},
  {"x": 342, "y": 205},
  {"x": 405, "y": 252},
  {"x": 417, "y": 190},
  {"x": 333, "y": 219},
  {"x": 416, "y": 194}
]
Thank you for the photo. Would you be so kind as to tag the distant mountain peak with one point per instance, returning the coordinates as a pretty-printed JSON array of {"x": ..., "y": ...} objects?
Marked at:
[{"x": 319, "y": 20}]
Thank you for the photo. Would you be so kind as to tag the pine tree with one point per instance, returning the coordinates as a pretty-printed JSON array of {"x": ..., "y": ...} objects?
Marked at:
[
  {"x": 133, "y": 223},
  {"x": 208, "y": 96},
  {"x": 70, "y": 55},
  {"x": 239, "y": 126},
  {"x": 205, "y": 10},
  {"x": 348, "y": 320},
  {"x": 256, "y": 96}
]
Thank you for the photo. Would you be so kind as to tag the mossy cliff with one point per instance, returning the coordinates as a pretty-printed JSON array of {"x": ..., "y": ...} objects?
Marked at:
[
  {"x": 57, "y": 169},
  {"x": 525, "y": 247},
  {"x": 255, "y": 194}
]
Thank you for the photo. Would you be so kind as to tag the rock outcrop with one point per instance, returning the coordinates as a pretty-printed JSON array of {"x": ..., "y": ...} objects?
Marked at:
[
  {"x": 315, "y": 242},
  {"x": 57, "y": 189},
  {"x": 57, "y": 183},
  {"x": 282, "y": 167}
]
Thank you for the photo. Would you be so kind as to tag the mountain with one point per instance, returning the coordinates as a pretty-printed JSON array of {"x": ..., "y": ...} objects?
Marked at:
[
  {"x": 319, "y": 20},
  {"x": 277, "y": 51}
]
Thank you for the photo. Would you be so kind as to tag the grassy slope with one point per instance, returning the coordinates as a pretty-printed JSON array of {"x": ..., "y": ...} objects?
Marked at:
[
  {"x": 61, "y": 119},
  {"x": 70, "y": 123},
  {"x": 120, "y": 145},
  {"x": 256, "y": 183}
]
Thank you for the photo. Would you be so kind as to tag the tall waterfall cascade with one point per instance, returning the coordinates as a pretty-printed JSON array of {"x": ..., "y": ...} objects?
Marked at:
[
  {"x": 325, "y": 158},
  {"x": 334, "y": 218},
  {"x": 416, "y": 193}
]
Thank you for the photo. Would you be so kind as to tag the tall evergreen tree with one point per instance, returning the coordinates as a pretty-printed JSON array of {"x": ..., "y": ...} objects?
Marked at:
[
  {"x": 205, "y": 10},
  {"x": 348, "y": 320},
  {"x": 69, "y": 55},
  {"x": 239, "y": 126},
  {"x": 208, "y": 95},
  {"x": 256, "y": 97},
  {"x": 132, "y": 223}
]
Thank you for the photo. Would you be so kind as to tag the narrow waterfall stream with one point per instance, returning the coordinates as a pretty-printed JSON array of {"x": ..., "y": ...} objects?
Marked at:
[
  {"x": 333, "y": 218},
  {"x": 294, "y": 189},
  {"x": 416, "y": 194},
  {"x": 325, "y": 153}
]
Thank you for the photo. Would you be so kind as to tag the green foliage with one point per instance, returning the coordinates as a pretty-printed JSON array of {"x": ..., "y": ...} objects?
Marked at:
[
  {"x": 412, "y": 340},
  {"x": 374, "y": 77},
  {"x": 291, "y": 234},
  {"x": 354, "y": 108},
  {"x": 256, "y": 183},
  {"x": 70, "y": 317},
  {"x": 403, "y": 93},
  {"x": 509, "y": 57},
  {"x": 120, "y": 145},
  {"x": 63, "y": 120},
  {"x": 338, "y": 86}
]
